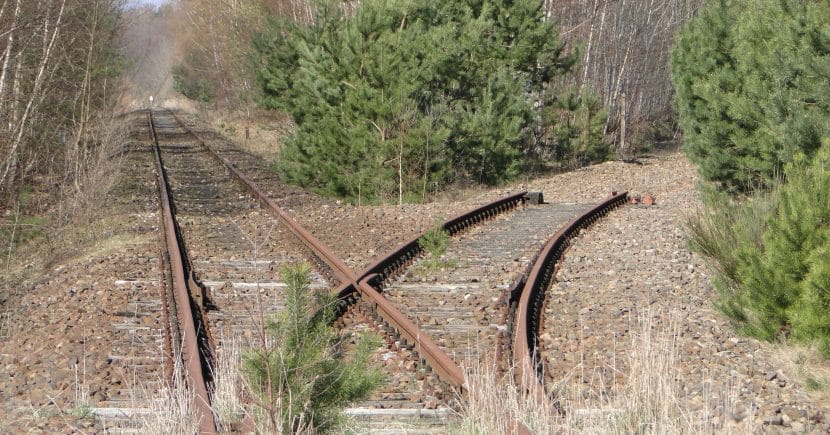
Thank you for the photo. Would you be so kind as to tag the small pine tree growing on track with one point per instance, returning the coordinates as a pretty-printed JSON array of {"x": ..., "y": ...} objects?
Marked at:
[
  {"x": 435, "y": 242},
  {"x": 302, "y": 377}
]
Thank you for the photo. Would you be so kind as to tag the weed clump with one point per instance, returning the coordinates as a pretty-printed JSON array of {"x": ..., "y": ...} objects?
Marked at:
[{"x": 435, "y": 243}]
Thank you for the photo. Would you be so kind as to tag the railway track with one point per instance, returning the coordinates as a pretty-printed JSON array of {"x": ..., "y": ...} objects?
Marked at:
[
  {"x": 226, "y": 240},
  {"x": 464, "y": 304},
  {"x": 531, "y": 301},
  {"x": 199, "y": 184},
  {"x": 136, "y": 351}
]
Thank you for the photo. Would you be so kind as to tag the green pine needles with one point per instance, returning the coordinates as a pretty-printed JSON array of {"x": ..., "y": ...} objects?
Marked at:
[
  {"x": 405, "y": 96},
  {"x": 302, "y": 377},
  {"x": 754, "y": 101},
  {"x": 772, "y": 255},
  {"x": 435, "y": 243},
  {"x": 752, "y": 88}
]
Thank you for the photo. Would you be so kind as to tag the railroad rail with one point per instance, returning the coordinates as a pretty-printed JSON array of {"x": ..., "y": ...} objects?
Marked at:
[
  {"x": 388, "y": 265},
  {"x": 182, "y": 320},
  {"x": 367, "y": 283},
  {"x": 424, "y": 345},
  {"x": 366, "y": 286},
  {"x": 531, "y": 298}
]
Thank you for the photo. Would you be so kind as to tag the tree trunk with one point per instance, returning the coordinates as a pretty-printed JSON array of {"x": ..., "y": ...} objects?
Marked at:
[
  {"x": 20, "y": 128},
  {"x": 8, "y": 53}
]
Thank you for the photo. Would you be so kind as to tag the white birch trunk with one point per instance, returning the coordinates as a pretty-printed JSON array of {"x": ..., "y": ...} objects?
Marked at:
[
  {"x": 7, "y": 54},
  {"x": 36, "y": 88}
]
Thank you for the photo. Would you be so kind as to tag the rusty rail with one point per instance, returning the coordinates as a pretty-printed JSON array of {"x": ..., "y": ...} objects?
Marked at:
[
  {"x": 190, "y": 353},
  {"x": 339, "y": 268},
  {"x": 386, "y": 266},
  {"x": 441, "y": 363},
  {"x": 531, "y": 300}
]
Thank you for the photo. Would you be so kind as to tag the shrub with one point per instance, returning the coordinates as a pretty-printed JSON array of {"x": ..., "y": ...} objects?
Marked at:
[
  {"x": 725, "y": 228},
  {"x": 435, "y": 242},
  {"x": 407, "y": 96},
  {"x": 576, "y": 121},
  {"x": 789, "y": 280},
  {"x": 772, "y": 256},
  {"x": 302, "y": 379},
  {"x": 751, "y": 87},
  {"x": 190, "y": 83}
]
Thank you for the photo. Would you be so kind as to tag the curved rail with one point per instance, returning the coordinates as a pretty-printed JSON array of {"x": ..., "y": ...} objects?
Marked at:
[
  {"x": 192, "y": 357},
  {"x": 386, "y": 266},
  {"x": 531, "y": 300}
]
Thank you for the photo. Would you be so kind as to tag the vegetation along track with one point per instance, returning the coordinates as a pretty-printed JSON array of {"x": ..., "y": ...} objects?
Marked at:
[{"x": 228, "y": 274}]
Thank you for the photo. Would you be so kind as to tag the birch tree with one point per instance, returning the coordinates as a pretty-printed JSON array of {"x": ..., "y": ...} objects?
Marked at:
[
  {"x": 57, "y": 72},
  {"x": 625, "y": 50}
]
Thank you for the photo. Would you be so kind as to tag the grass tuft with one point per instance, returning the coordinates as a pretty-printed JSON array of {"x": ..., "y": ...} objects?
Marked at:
[
  {"x": 650, "y": 401},
  {"x": 228, "y": 385}
]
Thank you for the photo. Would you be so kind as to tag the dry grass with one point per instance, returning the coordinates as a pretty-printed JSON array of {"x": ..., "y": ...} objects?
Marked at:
[
  {"x": 650, "y": 401},
  {"x": 171, "y": 410},
  {"x": 228, "y": 385},
  {"x": 493, "y": 403},
  {"x": 265, "y": 131},
  {"x": 46, "y": 227},
  {"x": 805, "y": 365},
  {"x": 85, "y": 192}
]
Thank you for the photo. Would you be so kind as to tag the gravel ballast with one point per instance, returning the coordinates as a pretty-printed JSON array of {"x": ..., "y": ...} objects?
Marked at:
[
  {"x": 632, "y": 270},
  {"x": 632, "y": 265}
]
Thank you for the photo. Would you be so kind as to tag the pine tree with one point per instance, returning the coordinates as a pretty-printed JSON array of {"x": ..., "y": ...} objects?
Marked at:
[
  {"x": 494, "y": 126},
  {"x": 804, "y": 225},
  {"x": 702, "y": 71},
  {"x": 302, "y": 380},
  {"x": 752, "y": 89},
  {"x": 389, "y": 100},
  {"x": 785, "y": 282},
  {"x": 576, "y": 121}
]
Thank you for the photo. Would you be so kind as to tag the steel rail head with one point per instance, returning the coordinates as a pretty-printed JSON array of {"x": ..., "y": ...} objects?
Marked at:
[
  {"x": 410, "y": 249},
  {"x": 484, "y": 212},
  {"x": 441, "y": 363},
  {"x": 446, "y": 369},
  {"x": 383, "y": 267},
  {"x": 342, "y": 272},
  {"x": 531, "y": 300},
  {"x": 191, "y": 357}
]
